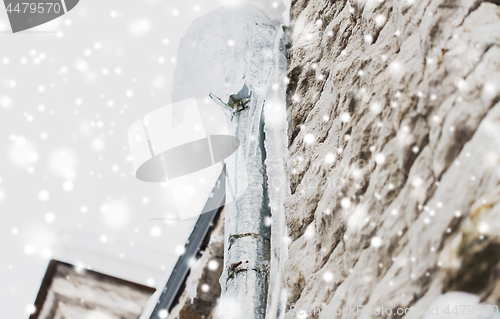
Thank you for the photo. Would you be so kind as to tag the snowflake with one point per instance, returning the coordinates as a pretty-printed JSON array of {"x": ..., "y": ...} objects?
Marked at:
[
  {"x": 150, "y": 282},
  {"x": 330, "y": 158},
  {"x": 380, "y": 158},
  {"x": 380, "y": 20},
  {"x": 328, "y": 276},
  {"x": 29, "y": 249},
  {"x": 376, "y": 242},
  {"x": 155, "y": 231},
  {"x": 50, "y": 217},
  {"x": 345, "y": 203},
  {"x": 103, "y": 239},
  {"x": 30, "y": 309},
  {"x": 162, "y": 314},
  {"x": 376, "y": 108},
  {"x": 180, "y": 250},
  {"x": 68, "y": 186},
  {"x": 6, "y": 102},
  {"x": 213, "y": 265},
  {"x": 43, "y": 195},
  {"x": 309, "y": 138},
  {"x": 345, "y": 117}
]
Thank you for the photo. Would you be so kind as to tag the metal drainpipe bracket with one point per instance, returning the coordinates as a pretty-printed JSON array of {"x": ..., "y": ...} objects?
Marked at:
[
  {"x": 237, "y": 102},
  {"x": 241, "y": 266}
]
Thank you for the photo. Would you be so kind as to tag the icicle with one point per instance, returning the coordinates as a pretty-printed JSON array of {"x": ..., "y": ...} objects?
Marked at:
[{"x": 275, "y": 128}]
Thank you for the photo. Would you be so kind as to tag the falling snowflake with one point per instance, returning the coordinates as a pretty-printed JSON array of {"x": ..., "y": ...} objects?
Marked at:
[
  {"x": 29, "y": 249},
  {"x": 345, "y": 203},
  {"x": 417, "y": 181},
  {"x": 330, "y": 158},
  {"x": 309, "y": 138},
  {"x": 68, "y": 186},
  {"x": 395, "y": 67},
  {"x": 6, "y": 102},
  {"x": 345, "y": 117},
  {"x": 213, "y": 265},
  {"x": 380, "y": 20},
  {"x": 328, "y": 276},
  {"x": 380, "y": 158},
  {"x": 103, "y": 239},
  {"x": 50, "y": 217},
  {"x": 150, "y": 282},
  {"x": 155, "y": 231},
  {"x": 162, "y": 314},
  {"x": 98, "y": 144},
  {"x": 376, "y": 108},
  {"x": 376, "y": 242},
  {"x": 43, "y": 195},
  {"x": 180, "y": 250},
  {"x": 30, "y": 309}
]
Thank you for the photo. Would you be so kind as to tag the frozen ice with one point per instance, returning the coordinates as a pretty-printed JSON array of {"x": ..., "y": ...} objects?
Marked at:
[{"x": 223, "y": 52}]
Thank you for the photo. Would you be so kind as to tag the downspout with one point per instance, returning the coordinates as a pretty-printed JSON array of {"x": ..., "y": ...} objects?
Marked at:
[
  {"x": 244, "y": 280},
  {"x": 254, "y": 60},
  {"x": 256, "y": 246}
]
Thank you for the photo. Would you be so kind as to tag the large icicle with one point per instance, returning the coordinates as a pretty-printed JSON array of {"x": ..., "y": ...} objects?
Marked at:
[{"x": 275, "y": 128}]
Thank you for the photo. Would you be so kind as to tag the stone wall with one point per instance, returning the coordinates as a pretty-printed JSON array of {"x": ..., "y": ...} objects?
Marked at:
[{"x": 394, "y": 148}]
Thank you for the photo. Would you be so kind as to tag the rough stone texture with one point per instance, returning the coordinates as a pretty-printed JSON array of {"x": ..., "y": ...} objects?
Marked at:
[
  {"x": 394, "y": 148},
  {"x": 206, "y": 271}
]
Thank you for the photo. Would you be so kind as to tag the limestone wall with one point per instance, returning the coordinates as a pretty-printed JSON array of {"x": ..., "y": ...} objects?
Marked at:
[{"x": 394, "y": 153}]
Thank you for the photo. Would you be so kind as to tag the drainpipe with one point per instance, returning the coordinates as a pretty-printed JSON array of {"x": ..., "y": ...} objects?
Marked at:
[
  {"x": 247, "y": 248},
  {"x": 231, "y": 55},
  {"x": 247, "y": 290}
]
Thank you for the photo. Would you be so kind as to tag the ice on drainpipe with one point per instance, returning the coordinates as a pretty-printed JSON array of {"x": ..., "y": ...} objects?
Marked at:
[{"x": 225, "y": 53}]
